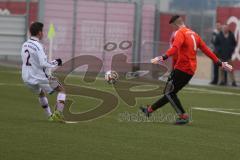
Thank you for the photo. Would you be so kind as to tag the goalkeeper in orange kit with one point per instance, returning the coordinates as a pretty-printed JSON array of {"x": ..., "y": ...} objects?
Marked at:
[{"x": 185, "y": 45}]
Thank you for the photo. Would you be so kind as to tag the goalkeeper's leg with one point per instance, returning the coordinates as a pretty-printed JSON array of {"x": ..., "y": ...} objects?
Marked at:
[{"x": 176, "y": 82}]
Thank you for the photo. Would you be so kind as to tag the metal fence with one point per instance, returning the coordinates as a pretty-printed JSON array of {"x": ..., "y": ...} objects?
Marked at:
[
  {"x": 14, "y": 19},
  {"x": 12, "y": 34},
  {"x": 85, "y": 27}
]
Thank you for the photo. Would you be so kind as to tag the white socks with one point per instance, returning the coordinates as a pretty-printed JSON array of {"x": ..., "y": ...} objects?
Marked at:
[
  {"x": 44, "y": 103},
  {"x": 61, "y": 97}
]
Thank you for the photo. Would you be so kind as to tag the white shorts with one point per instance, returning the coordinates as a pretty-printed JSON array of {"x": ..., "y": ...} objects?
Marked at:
[{"x": 45, "y": 87}]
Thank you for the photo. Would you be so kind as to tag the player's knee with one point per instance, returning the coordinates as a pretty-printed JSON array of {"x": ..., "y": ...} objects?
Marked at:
[
  {"x": 42, "y": 94},
  {"x": 169, "y": 93},
  {"x": 166, "y": 92},
  {"x": 60, "y": 89}
]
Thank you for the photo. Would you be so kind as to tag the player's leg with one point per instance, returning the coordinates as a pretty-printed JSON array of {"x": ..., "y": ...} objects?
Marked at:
[
  {"x": 176, "y": 82},
  {"x": 61, "y": 97},
  {"x": 215, "y": 74},
  {"x": 232, "y": 76},
  {"x": 176, "y": 104},
  {"x": 168, "y": 88},
  {"x": 55, "y": 86},
  {"x": 50, "y": 88},
  {"x": 180, "y": 79},
  {"x": 44, "y": 103},
  {"x": 147, "y": 110},
  {"x": 42, "y": 98},
  {"x": 222, "y": 77},
  {"x": 173, "y": 86}
]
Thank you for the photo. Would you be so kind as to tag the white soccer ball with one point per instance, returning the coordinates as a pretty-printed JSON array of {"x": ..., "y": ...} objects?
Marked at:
[{"x": 111, "y": 77}]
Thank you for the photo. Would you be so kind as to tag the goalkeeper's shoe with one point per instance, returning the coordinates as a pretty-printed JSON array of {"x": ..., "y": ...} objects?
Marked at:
[
  {"x": 57, "y": 116},
  {"x": 182, "y": 119},
  {"x": 146, "y": 110}
]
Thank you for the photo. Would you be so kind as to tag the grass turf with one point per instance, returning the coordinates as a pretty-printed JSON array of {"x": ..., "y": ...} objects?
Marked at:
[{"x": 25, "y": 134}]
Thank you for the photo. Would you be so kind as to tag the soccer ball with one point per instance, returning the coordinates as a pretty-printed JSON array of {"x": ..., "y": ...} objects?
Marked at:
[{"x": 111, "y": 77}]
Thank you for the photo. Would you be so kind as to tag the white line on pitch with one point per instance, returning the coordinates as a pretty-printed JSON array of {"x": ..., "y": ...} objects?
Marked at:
[
  {"x": 187, "y": 90},
  {"x": 211, "y": 91},
  {"x": 218, "y": 110},
  {"x": 71, "y": 122}
]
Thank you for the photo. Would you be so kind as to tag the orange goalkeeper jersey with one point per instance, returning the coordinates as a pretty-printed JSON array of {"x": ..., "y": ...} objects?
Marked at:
[
  {"x": 174, "y": 58},
  {"x": 185, "y": 45}
]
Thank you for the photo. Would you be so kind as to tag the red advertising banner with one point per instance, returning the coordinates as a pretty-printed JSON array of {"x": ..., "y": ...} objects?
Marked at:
[{"x": 20, "y": 8}]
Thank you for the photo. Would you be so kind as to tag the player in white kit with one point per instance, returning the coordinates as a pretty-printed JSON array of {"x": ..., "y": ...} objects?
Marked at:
[{"x": 35, "y": 73}]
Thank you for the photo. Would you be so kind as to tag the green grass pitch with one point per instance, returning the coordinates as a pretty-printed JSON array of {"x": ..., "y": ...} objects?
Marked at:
[{"x": 25, "y": 134}]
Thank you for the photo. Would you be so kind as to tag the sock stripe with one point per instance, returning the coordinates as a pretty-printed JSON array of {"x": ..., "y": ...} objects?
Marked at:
[{"x": 46, "y": 106}]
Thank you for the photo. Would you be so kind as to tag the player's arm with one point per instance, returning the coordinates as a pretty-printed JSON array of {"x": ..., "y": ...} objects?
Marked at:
[
  {"x": 44, "y": 62},
  {"x": 178, "y": 41},
  {"x": 204, "y": 48}
]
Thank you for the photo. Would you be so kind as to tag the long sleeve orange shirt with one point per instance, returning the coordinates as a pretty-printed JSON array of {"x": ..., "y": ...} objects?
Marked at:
[{"x": 185, "y": 45}]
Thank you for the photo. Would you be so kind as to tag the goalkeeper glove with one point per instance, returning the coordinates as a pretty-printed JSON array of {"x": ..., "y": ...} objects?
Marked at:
[
  {"x": 156, "y": 60},
  {"x": 225, "y": 66}
]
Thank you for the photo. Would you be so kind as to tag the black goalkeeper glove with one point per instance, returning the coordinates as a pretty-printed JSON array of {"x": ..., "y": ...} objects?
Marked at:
[{"x": 59, "y": 61}]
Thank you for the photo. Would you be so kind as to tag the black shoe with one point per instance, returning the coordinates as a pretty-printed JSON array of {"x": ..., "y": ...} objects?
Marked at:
[
  {"x": 213, "y": 83},
  {"x": 234, "y": 84},
  {"x": 222, "y": 83},
  {"x": 144, "y": 109}
]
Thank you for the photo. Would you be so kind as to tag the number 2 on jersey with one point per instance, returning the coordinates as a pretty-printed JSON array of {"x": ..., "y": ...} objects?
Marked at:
[{"x": 28, "y": 57}]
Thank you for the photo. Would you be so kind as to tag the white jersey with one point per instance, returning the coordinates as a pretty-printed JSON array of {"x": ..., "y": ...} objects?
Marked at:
[{"x": 35, "y": 62}]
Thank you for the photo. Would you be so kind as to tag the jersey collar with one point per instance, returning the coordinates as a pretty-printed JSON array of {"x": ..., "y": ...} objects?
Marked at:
[
  {"x": 182, "y": 26},
  {"x": 34, "y": 38}
]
